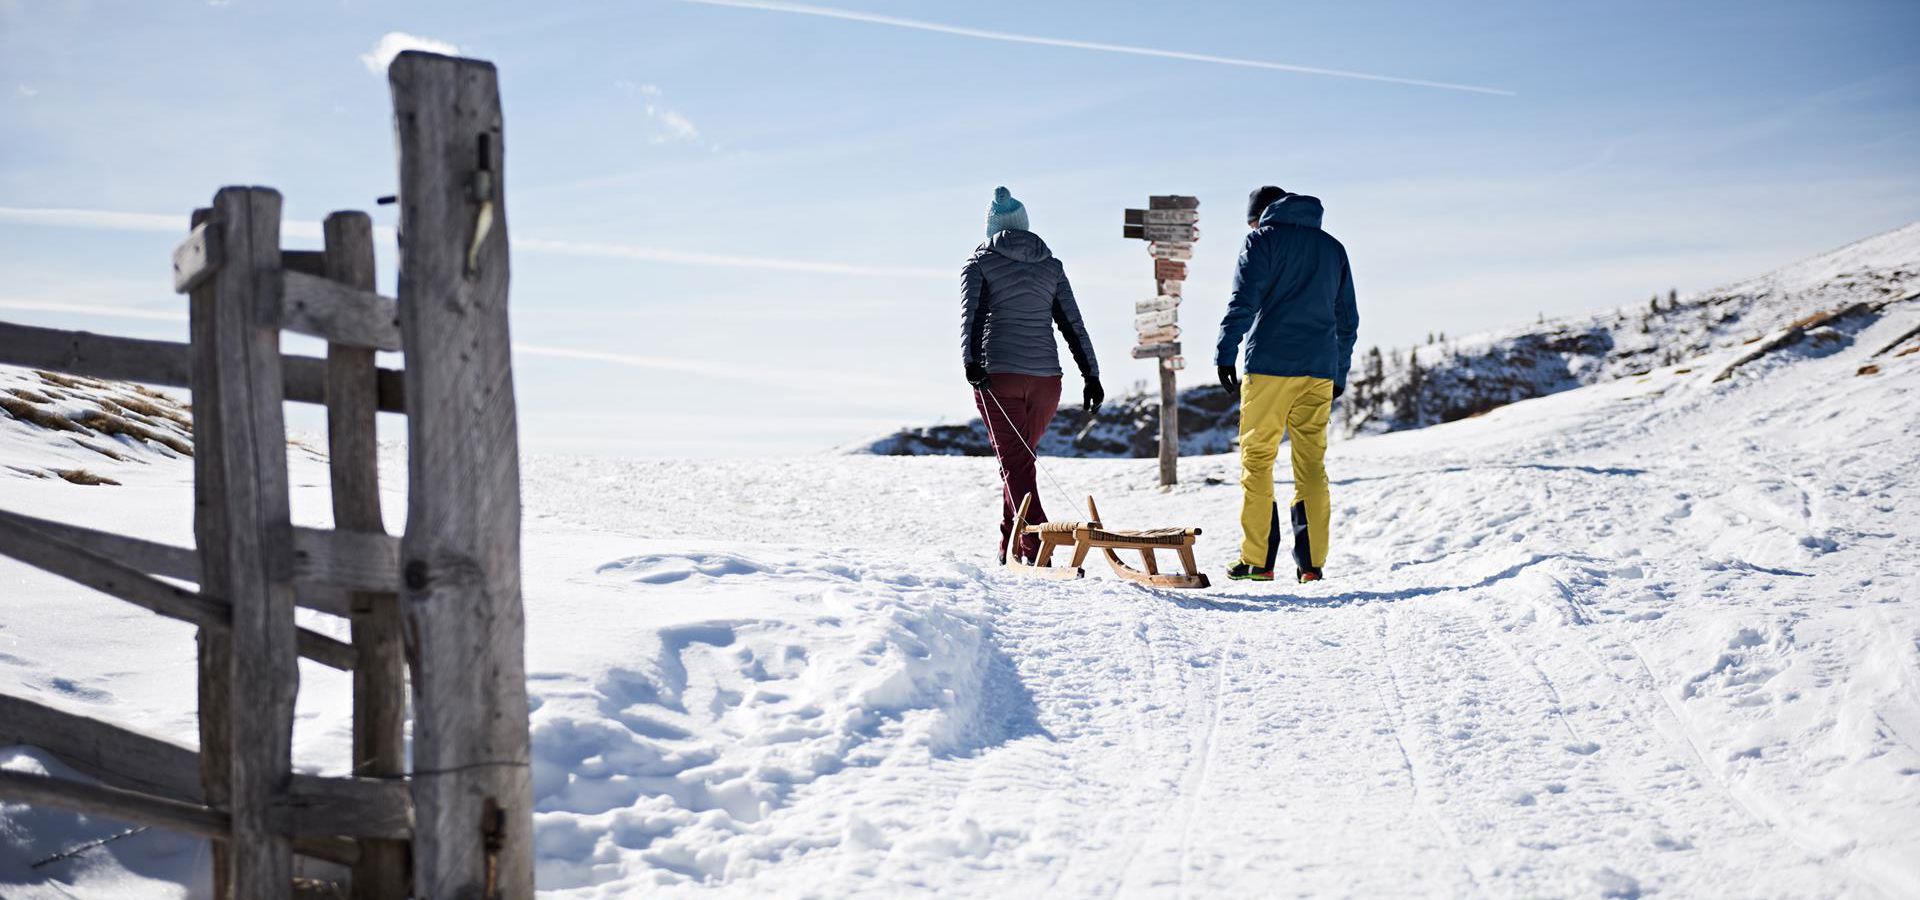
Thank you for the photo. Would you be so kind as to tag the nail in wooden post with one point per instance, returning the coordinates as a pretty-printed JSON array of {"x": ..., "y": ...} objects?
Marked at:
[
  {"x": 241, "y": 522},
  {"x": 379, "y": 672},
  {"x": 461, "y": 553}
]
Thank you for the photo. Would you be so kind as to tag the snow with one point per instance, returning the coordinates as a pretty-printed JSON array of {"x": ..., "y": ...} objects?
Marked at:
[{"x": 1651, "y": 636}]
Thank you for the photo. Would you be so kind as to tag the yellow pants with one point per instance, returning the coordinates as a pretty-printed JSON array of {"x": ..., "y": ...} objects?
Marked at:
[{"x": 1273, "y": 407}]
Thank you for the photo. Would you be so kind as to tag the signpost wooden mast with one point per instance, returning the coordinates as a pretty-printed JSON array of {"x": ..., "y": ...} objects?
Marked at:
[{"x": 1170, "y": 224}]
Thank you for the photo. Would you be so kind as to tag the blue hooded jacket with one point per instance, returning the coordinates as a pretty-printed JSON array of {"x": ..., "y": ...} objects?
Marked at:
[{"x": 1294, "y": 291}]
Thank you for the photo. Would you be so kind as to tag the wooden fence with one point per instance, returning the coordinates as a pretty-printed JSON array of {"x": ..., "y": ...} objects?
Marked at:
[{"x": 443, "y": 599}]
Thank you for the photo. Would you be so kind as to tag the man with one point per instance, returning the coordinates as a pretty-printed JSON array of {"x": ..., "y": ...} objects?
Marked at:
[{"x": 1294, "y": 292}]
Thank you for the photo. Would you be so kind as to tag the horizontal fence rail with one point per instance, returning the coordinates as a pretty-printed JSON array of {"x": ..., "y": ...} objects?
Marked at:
[
  {"x": 165, "y": 363},
  {"x": 86, "y": 567}
]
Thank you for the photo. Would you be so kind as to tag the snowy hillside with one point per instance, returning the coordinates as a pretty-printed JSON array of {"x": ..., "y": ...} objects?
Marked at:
[
  {"x": 1654, "y": 636},
  {"x": 1398, "y": 388}
]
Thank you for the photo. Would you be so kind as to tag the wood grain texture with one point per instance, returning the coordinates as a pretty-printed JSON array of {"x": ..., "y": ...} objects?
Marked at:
[
  {"x": 338, "y": 314},
  {"x": 214, "y": 645},
  {"x": 113, "y": 803},
  {"x": 1169, "y": 425},
  {"x": 462, "y": 544},
  {"x": 163, "y": 363},
  {"x": 311, "y": 262},
  {"x": 97, "y": 355},
  {"x": 151, "y": 557},
  {"x": 117, "y": 756},
  {"x": 379, "y": 672},
  {"x": 347, "y": 807},
  {"x": 251, "y": 532},
  {"x": 123, "y": 758},
  {"x": 197, "y": 257},
  {"x": 355, "y": 560}
]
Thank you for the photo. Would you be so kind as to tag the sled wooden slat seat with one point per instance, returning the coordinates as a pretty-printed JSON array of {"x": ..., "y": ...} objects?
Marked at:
[{"x": 1084, "y": 537}]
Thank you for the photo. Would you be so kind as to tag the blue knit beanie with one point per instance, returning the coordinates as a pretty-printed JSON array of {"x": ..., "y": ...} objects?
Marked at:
[{"x": 1005, "y": 213}]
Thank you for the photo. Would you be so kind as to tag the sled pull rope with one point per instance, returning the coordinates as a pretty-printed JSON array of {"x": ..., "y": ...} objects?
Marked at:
[{"x": 1023, "y": 442}]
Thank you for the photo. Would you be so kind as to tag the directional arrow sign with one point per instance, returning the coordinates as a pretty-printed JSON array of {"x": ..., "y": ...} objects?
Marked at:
[
  {"x": 1145, "y": 321},
  {"x": 1173, "y": 201},
  {"x": 1138, "y": 232},
  {"x": 1171, "y": 216},
  {"x": 1156, "y": 304},
  {"x": 1160, "y": 335},
  {"x": 1170, "y": 288},
  {"x": 1160, "y": 351},
  {"x": 1170, "y": 251},
  {"x": 1168, "y": 270}
]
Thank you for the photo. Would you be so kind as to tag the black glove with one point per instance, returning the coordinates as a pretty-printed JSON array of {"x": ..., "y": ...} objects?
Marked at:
[
  {"x": 1339, "y": 389},
  {"x": 977, "y": 376},
  {"x": 1230, "y": 379},
  {"x": 1094, "y": 396}
]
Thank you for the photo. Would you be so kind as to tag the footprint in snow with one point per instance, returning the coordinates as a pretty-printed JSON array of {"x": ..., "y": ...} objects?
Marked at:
[{"x": 667, "y": 569}]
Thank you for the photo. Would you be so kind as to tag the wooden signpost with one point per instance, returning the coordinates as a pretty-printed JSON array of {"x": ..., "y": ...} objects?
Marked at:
[{"x": 1170, "y": 224}]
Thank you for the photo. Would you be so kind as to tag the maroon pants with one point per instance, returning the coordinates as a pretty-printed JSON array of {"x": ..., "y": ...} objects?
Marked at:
[{"x": 1014, "y": 424}]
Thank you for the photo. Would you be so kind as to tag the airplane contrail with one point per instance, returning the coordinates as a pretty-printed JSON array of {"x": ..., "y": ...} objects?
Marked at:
[
  {"x": 114, "y": 220},
  {"x": 1010, "y": 37}
]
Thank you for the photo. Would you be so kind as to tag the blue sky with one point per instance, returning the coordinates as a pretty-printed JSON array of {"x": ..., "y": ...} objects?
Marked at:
[{"x": 739, "y": 226}]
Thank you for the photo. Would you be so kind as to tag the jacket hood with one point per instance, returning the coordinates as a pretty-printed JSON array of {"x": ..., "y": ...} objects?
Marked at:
[
  {"x": 1294, "y": 209},
  {"x": 1018, "y": 245}
]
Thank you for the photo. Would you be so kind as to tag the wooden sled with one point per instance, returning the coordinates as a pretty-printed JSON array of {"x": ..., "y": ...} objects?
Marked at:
[{"x": 1084, "y": 537}]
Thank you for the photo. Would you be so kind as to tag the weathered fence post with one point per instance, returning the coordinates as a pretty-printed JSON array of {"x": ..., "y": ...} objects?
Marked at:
[
  {"x": 215, "y": 645},
  {"x": 379, "y": 669},
  {"x": 243, "y": 526},
  {"x": 461, "y": 552}
]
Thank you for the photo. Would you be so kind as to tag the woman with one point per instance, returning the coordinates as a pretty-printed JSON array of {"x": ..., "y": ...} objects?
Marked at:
[{"x": 1012, "y": 293}]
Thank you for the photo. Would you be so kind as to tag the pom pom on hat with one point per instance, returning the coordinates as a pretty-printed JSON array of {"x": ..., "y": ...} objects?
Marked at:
[{"x": 1005, "y": 213}]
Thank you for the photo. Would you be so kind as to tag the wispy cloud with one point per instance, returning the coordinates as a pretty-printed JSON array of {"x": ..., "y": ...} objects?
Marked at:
[
  {"x": 836, "y": 383},
  {"x": 115, "y": 220},
  {"x": 111, "y": 220},
  {"x": 672, "y": 124},
  {"x": 1011, "y": 37},
  {"x": 27, "y": 91},
  {"x": 689, "y": 258},
  {"x": 394, "y": 43},
  {"x": 117, "y": 312},
  {"x": 830, "y": 382}
]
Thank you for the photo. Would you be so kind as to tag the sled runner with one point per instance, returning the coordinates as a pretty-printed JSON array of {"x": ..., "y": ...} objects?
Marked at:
[{"x": 1084, "y": 537}]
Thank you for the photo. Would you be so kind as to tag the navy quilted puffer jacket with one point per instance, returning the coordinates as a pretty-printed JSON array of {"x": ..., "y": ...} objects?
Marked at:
[{"x": 1013, "y": 293}]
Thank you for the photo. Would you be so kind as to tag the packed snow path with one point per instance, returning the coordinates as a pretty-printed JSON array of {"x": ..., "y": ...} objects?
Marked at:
[{"x": 1656, "y": 636}]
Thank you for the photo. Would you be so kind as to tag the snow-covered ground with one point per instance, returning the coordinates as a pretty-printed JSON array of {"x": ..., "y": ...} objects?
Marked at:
[{"x": 1656, "y": 636}]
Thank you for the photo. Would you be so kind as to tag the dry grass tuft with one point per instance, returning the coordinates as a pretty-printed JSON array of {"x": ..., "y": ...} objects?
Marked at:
[
  {"x": 28, "y": 412},
  {"x": 77, "y": 382},
  {"x": 30, "y": 396},
  {"x": 82, "y": 476},
  {"x": 149, "y": 409},
  {"x": 107, "y": 452},
  {"x": 108, "y": 423},
  {"x": 1868, "y": 369}
]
